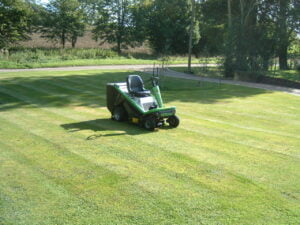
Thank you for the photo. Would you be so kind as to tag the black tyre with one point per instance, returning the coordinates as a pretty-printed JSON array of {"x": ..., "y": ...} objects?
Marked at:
[
  {"x": 149, "y": 124},
  {"x": 173, "y": 121},
  {"x": 119, "y": 114}
]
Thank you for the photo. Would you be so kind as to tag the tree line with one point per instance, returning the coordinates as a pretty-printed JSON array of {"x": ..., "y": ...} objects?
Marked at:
[{"x": 247, "y": 32}]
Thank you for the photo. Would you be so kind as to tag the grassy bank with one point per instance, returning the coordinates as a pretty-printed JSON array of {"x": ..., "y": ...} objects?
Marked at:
[
  {"x": 47, "y": 57},
  {"x": 216, "y": 72},
  {"x": 212, "y": 71},
  {"x": 292, "y": 75},
  {"x": 233, "y": 160}
]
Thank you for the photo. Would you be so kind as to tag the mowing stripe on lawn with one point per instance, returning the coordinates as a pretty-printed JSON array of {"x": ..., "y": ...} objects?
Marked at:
[
  {"x": 101, "y": 96},
  {"x": 27, "y": 123},
  {"x": 192, "y": 174},
  {"x": 53, "y": 94},
  {"x": 54, "y": 202},
  {"x": 63, "y": 175}
]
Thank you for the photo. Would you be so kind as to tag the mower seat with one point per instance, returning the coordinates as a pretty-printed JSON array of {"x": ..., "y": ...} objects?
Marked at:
[{"x": 136, "y": 87}]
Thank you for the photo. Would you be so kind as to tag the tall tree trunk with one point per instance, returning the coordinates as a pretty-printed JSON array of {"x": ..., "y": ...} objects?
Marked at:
[
  {"x": 120, "y": 18},
  {"x": 265, "y": 65},
  {"x": 228, "y": 64},
  {"x": 63, "y": 39},
  {"x": 191, "y": 37},
  {"x": 283, "y": 56},
  {"x": 119, "y": 46},
  {"x": 241, "y": 52},
  {"x": 283, "y": 35},
  {"x": 74, "y": 41},
  {"x": 229, "y": 13},
  {"x": 246, "y": 53}
]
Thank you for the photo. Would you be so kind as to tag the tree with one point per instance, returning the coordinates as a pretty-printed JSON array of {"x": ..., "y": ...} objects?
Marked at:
[
  {"x": 191, "y": 31},
  {"x": 258, "y": 31},
  {"x": 115, "y": 23},
  {"x": 266, "y": 33},
  {"x": 15, "y": 21},
  {"x": 64, "y": 21},
  {"x": 168, "y": 26},
  {"x": 212, "y": 19},
  {"x": 287, "y": 22},
  {"x": 140, "y": 16},
  {"x": 90, "y": 10},
  {"x": 245, "y": 37},
  {"x": 228, "y": 63}
]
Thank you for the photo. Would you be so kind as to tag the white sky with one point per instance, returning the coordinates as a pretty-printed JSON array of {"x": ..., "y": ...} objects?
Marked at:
[{"x": 43, "y": 1}]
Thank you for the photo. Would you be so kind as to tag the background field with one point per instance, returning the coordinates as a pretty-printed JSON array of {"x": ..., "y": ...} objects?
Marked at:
[
  {"x": 40, "y": 52},
  {"x": 53, "y": 57},
  {"x": 233, "y": 160},
  {"x": 87, "y": 41}
]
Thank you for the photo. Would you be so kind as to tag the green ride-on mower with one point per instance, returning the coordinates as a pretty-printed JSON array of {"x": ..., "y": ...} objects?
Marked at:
[{"x": 132, "y": 102}]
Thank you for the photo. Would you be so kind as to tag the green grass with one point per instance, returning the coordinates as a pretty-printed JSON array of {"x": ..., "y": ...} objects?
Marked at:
[
  {"x": 75, "y": 62},
  {"x": 52, "y": 57},
  {"x": 212, "y": 71},
  {"x": 86, "y": 62},
  {"x": 216, "y": 72},
  {"x": 292, "y": 75},
  {"x": 233, "y": 160}
]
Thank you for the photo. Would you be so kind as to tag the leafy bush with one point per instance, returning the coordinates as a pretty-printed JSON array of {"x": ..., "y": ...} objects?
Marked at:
[{"x": 23, "y": 55}]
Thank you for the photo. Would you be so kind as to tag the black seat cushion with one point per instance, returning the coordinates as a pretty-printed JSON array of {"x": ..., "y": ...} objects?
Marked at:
[{"x": 136, "y": 87}]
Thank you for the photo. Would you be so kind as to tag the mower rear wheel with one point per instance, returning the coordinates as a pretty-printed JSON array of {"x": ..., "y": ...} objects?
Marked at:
[
  {"x": 150, "y": 124},
  {"x": 173, "y": 121},
  {"x": 119, "y": 114}
]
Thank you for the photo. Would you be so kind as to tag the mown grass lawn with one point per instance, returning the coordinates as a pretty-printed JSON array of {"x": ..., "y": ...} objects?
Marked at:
[
  {"x": 233, "y": 160},
  {"x": 11, "y": 64}
]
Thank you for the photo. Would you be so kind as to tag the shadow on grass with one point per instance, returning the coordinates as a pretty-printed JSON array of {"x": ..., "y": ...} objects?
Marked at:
[
  {"x": 88, "y": 89},
  {"x": 103, "y": 125}
]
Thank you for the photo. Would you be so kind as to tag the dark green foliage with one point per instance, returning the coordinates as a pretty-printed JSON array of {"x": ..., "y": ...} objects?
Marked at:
[
  {"x": 251, "y": 34},
  {"x": 242, "y": 38},
  {"x": 168, "y": 26},
  {"x": 14, "y": 21},
  {"x": 115, "y": 23},
  {"x": 39, "y": 55},
  {"x": 259, "y": 31},
  {"x": 212, "y": 19},
  {"x": 63, "y": 21},
  {"x": 90, "y": 10},
  {"x": 140, "y": 15},
  {"x": 286, "y": 13}
]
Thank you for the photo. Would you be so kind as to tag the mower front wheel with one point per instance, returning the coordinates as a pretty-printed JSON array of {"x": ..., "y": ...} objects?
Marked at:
[
  {"x": 173, "y": 121},
  {"x": 150, "y": 124},
  {"x": 119, "y": 114}
]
